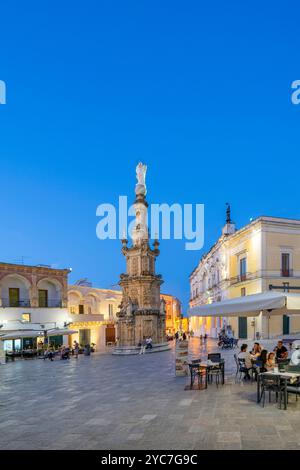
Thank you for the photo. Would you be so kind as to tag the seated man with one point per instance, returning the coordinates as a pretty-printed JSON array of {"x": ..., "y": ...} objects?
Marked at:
[
  {"x": 246, "y": 356},
  {"x": 281, "y": 351},
  {"x": 149, "y": 343}
]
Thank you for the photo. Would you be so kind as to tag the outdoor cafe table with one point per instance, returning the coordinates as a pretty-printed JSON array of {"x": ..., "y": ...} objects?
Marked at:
[
  {"x": 207, "y": 366},
  {"x": 284, "y": 376}
]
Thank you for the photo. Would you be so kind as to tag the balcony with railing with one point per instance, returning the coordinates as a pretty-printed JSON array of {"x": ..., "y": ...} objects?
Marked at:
[
  {"x": 6, "y": 302},
  {"x": 86, "y": 317},
  {"x": 19, "y": 303},
  {"x": 263, "y": 274},
  {"x": 50, "y": 303}
]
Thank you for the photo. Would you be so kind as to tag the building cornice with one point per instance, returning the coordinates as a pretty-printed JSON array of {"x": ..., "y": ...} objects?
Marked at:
[{"x": 25, "y": 268}]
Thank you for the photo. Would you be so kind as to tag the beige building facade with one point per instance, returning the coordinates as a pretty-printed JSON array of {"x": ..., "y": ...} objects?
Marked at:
[
  {"x": 262, "y": 256},
  {"x": 33, "y": 300},
  {"x": 173, "y": 314},
  {"x": 92, "y": 313}
]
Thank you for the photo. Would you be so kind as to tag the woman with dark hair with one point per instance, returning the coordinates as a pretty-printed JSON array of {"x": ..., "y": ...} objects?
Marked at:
[
  {"x": 256, "y": 351},
  {"x": 261, "y": 360}
]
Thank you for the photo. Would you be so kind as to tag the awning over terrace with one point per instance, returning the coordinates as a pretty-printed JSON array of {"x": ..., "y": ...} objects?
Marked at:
[
  {"x": 17, "y": 334},
  {"x": 250, "y": 305},
  {"x": 20, "y": 334},
  {"x": 61, "y": 331}
]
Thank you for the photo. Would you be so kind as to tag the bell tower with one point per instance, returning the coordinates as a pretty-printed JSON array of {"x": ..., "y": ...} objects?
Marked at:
[{"x": 229, "y": 227}]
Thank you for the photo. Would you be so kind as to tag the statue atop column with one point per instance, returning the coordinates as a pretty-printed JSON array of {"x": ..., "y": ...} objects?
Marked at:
[{"x": 140, "y": 187}]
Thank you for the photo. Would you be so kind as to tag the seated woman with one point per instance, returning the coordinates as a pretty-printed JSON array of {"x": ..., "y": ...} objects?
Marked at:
[
  {"x": 261, "y": 361},
  {"x": 270, "y": 363},
  {"x": 256, "y": 350}
]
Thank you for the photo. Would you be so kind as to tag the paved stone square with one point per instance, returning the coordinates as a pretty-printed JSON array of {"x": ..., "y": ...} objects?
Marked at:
[{"x": 112, "y": 402}]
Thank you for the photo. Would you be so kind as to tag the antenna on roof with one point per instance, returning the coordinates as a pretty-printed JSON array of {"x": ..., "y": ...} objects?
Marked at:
[{"x": 21, "y": 259}]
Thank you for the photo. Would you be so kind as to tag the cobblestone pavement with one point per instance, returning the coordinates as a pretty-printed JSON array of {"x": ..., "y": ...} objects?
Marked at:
[{"x": 110, "y": 402}]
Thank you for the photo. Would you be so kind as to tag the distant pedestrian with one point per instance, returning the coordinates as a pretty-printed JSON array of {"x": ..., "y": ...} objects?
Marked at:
[
  {"x": 176, "y": 335},
  {"x": 87, "y": 350},
  {"x": 143, "y": 345},
  {"x": 184, "y": 336},
  {"x": 76, "y": 349}
]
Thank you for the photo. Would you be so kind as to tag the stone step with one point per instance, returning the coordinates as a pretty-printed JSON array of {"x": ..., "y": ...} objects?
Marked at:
[{"x": 134, "y": 350}]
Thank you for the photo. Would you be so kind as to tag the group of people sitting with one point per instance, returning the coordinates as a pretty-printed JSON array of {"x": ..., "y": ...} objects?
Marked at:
[
  {"x": 180, "y": 336},
  {"x": 65, "y": 351},
  {"x": 260, "y": 360}
]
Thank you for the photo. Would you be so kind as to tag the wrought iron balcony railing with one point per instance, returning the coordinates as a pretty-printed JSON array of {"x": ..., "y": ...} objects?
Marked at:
[
  {"x": 15, "y": 303},
  {"x": 50, "y": 303}
]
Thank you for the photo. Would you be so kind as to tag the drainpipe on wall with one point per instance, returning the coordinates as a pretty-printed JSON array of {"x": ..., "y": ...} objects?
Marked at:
[{"x": 269, "y": 316}]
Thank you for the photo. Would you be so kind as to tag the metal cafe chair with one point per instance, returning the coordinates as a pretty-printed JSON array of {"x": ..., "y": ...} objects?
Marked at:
[
  {"x": 214, "y": 357},
  {"x": 196, "y": 371},
  {"x": 293, "y": 387},
  {"x": 241, "y": 369},
  {"x": 270, "y": 383},
  {"x": 214, "y": 371},
  {"x": 196, "y": 361}
]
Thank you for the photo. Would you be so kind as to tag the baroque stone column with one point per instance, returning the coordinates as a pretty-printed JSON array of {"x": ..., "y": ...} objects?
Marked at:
[{"x": 141, "y": 312}]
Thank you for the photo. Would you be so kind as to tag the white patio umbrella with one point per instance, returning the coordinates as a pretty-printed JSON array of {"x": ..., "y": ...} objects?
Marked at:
[
  {"x": 61, "y": 331},
  {"x": 21, "y": 334},
  {"x": 17, "y": 334}
]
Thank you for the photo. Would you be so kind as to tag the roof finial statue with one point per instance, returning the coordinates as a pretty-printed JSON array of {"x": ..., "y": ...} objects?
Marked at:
[{"x": 228, "y": 216}]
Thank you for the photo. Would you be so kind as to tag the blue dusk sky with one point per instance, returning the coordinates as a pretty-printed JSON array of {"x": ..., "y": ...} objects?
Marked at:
[{"x": 199, "y": 91}]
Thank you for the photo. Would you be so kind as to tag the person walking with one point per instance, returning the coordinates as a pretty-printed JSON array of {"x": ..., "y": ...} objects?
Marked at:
[{"x": 76, "y": 349}]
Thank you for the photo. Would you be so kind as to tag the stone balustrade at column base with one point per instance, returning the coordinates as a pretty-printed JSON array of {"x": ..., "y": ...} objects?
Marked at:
[{"x": 133, "y": 350}]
